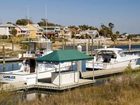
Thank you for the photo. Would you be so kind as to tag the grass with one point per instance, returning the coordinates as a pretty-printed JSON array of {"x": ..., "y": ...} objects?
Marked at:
[
  {"x": 119, "y": 90},
  {"x": 123, "y": 90}
]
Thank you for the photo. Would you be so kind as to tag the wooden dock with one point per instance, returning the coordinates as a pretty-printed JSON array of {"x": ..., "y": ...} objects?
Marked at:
[
  {"x": 42, "y": 85},
  {"x": 45, "y": 86}
]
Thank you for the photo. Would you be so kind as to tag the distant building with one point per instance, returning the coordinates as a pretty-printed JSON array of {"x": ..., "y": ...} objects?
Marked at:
[
  {"x": 51, "y": 30},
  {"x": 5, "y": 29},
  {"x": 93, "y": 33},
  {"x": 22, "y": 30},
  {"x": 34, "y": 30},
  {"x": 124, "y": 35},
  {"x": 65, "y": 32}
]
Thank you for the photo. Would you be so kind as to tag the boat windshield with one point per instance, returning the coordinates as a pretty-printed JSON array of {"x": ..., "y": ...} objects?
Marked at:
[
  {"x": 121, "y": 53},
  {"x": 106, "y": 52},
  {"x": 106, "y": 56}
]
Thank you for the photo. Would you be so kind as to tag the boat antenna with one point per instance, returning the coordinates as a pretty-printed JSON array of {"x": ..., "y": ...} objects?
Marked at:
[
  {"x": 28, "y": 14},
  {"x": 46, "y": 20}
]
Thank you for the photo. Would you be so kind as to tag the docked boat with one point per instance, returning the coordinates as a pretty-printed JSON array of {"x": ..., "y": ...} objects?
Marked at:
[
  {"x": 109, "y": 58},
  {"x": 30, "y": 69}
]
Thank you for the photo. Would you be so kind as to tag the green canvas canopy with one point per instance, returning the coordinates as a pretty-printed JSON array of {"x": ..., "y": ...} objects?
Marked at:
[{"x": 64, "y": 56}]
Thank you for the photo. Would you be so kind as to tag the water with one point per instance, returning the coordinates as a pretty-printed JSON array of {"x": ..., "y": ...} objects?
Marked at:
[
  {"x": 10, "y": 66},
  {"x": 125, "y": 47}
]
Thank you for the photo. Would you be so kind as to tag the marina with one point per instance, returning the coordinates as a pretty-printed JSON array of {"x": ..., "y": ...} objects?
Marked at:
[
  {"x": 78, "y": 79},
  {"x": 60, "y": 80},
  {"x": 70, "y": 52}
]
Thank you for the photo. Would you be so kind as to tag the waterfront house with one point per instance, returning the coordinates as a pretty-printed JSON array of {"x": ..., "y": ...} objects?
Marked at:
[
  {"x": 34, "y": 30},
  {"x": 5, "y": 29},
  {"x": 22, "y": 30},
  {"x": 51, "y": 30},
  {"x": 66, "y": 32},
  {"x": 92, "y": 33}
]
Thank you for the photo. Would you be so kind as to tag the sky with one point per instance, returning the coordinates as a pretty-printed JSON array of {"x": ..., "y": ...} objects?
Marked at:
[{"x": 124, "y": 14}]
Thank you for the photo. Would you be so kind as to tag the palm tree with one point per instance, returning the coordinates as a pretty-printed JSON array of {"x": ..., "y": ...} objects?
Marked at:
[
  {"x": 111, "y": 26},
  {"x": 113, "y": 36},
  {"x": 13, "y": 32}
]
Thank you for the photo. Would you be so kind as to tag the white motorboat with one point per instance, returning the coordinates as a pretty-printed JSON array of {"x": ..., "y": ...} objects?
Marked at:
[
  {"x": 30, "y": 71},
  {"x": 109, "y": 58}
]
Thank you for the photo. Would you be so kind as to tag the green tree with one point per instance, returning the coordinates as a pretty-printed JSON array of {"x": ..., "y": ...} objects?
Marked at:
[
  {"x": 43, "y": 22},
  {"x": 111, "y": 26},
  {"x": 86, "y": 27},
  {"x": 13, "y": 37},
  {"x": 113, "y": 36},
  {"x": 23, "y": 21},
  {"x": 9, "y": 22},
  {"x": 129, "y": 37},
  {"x": 105, "y": 31},
  {"x": 117, "y": 32},
  {"x": 13, "y": 32}
]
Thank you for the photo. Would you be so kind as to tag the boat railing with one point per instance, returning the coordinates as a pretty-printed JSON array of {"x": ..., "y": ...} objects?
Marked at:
[
  {"x": 110, "y": 63},
  {"x": 28, "y": 54},
  {"x": 52, "y": 68}
]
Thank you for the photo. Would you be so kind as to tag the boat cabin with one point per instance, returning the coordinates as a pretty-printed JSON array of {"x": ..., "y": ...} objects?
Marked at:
[
  {"x": 106, "y": 55},
  {"x": 38, "y": 47}
]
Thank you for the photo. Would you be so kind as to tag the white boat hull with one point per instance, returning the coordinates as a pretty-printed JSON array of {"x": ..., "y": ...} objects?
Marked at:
[
  {"x": 28, "y": 78},
  {"x": 121, "y": 64}
]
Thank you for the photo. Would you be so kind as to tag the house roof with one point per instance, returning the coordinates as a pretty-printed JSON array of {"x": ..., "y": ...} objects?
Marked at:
[
  {"x": 91, "y": 32},
  {"x": 7, "y": 25},
  {"x": 64, "y": 56},
  {"x": 23, "y": 28},
  {"x": 37, "y": 26}
]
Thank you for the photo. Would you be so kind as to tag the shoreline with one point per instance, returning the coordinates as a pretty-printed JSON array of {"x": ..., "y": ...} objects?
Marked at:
[{"x": 58, "y": 44}]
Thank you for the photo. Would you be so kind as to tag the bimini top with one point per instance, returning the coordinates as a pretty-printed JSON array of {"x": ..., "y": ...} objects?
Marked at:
[{"x": 64, "y": 56}]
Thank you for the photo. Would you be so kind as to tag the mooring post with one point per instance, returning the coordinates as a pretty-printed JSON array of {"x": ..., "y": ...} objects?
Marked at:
[
  {"x": 91, "y": 45},
  {"x": 79, "y": 63},
  {"x": 59, "y": 76},
  {"x": 87, "y": 48},
  {"x": 3, "y": 47},
  {"x": 129, "y": 45}
]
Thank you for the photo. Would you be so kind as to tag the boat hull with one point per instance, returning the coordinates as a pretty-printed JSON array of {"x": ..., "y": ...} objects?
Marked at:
[{"x": 121, "y": 64}]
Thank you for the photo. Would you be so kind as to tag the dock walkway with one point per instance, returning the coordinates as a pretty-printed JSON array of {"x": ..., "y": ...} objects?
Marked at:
[{"x": 46, "y": 86}]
